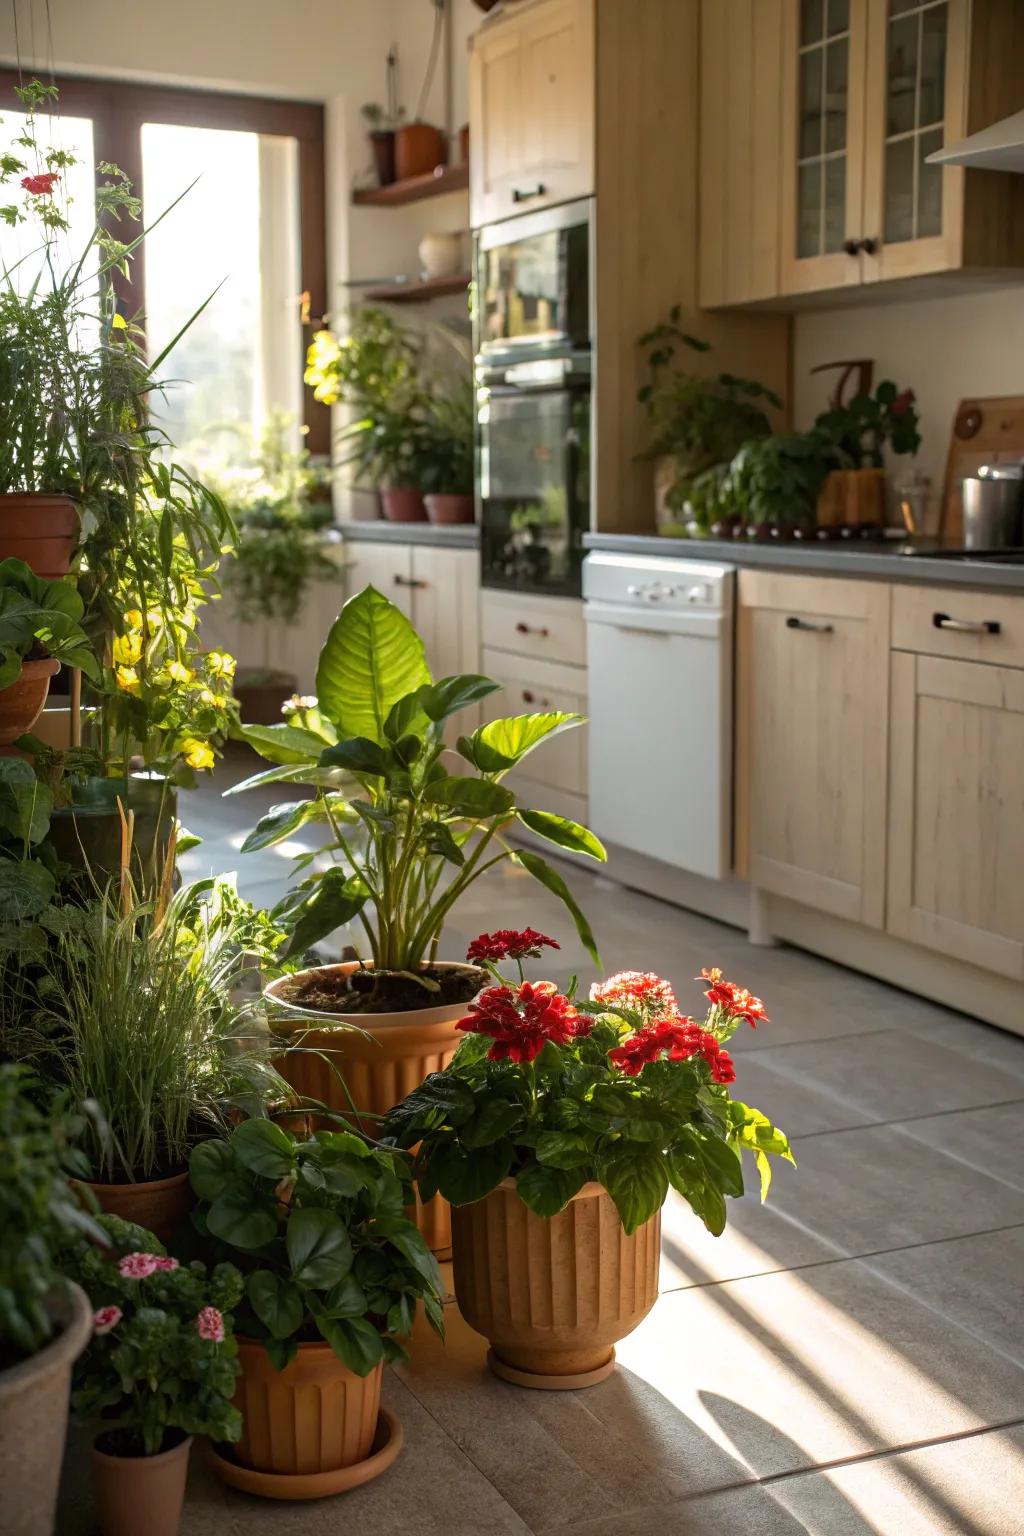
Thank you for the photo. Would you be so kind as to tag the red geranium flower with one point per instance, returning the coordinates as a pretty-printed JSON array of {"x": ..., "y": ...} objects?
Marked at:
[
  {"x": 736, "y": 1001},
  {"x": 635, "y": 989},
  {"x": 510, "y": 944},
  {"x": 681, "y": 1038},
  {"x": 902, "y": 403},
  {"x": 522, "y": 1021},
  {"x": 42, "y": 185}
]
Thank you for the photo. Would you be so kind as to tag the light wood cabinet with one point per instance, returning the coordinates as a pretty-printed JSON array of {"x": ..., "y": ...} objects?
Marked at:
[
  {"x": 956, "y": 817},
  {"x": 531, "y": 90},
  {"x": 812, "y": 660},
  {"x": 867, "y": 90},
  {"x": 554, "y": 777}
]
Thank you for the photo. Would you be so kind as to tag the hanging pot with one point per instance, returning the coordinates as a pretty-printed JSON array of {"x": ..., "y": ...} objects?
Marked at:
[
  {"x": 140, "y": 1492},
  {"x": 553, "y": 1296},
  {"x": 39, "y": 528},
  {"x": 382, "y": 143},
  {"x": 403, "y": 504},
  {"x": 159, "y": 1205},
  {"x": 419, "y": 149},
  {"x": 22, "y": 702}
]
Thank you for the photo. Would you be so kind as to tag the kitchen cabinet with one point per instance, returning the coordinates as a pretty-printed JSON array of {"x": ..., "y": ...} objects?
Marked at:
[
  {"x": 867, "y": 90},
  {"x": 812, "y": 714},
  {"x": 531, "y": 87},
  {"x": 554, "y": 777}
]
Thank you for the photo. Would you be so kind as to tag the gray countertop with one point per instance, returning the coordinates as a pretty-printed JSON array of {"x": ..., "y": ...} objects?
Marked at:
[
  {"x": 838, "y": 559},
  {"x": 445, "y": 535}
]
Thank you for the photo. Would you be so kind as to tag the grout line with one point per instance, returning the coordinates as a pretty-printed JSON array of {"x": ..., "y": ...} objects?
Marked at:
[{"x": 931, "y": 1114}]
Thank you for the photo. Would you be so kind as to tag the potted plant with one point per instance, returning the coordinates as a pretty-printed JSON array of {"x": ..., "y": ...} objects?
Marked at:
[
  {"x": 334, "y": 1274},
  {"x": 853, "y": 499},
  {"x": 45, "y": 1320},
  {"x": 696, "y": 421},
  {"x": 449, "y": 428},
  {"x": 770, "y": 488},
  {"x": 133, "y": 1016},
  {"x": 40, "y": 629},
  {"x": 159, "y": 1369},
  {"x": 429, "y": 825},
  {"x": 381, "y": 123},
  {"x": 556, "y": 1134}
]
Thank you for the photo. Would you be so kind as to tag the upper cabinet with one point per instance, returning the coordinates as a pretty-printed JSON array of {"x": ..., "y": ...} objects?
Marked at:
[
  {"x": 868, "y": 89},
  {"x": 531, "y": 90}
]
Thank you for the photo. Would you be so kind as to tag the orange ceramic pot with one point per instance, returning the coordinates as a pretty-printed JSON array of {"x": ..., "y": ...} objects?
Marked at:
[
  {"x": 445, "y": 508},
  {"x": 382, "y": 1057},
  {"x": 419, "y": 149},
  {"x": 140, "y": 1492},
  {"x": 159, "y": 1205},
  {"x": 403, "y": 504},
  {"x": 553, "y": 1296},
  {"x": 40, "y": 529},
  {"x": 22, "y": 702}
]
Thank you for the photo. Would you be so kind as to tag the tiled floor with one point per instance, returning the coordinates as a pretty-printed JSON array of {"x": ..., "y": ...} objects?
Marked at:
[{"x": 847, "y": 1359}]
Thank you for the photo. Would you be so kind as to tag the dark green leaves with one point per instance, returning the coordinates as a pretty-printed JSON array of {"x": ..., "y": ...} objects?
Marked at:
[
  {"x": 276, "y": 1302},
  {"x": 372, "y": 658},
  {"x": 354, "y": 1340},
  {"x": 542, "y": 872},
  {"x": 450, "y": 694},
  {"x": 566, "y": 833},
  {"x": 335, "y": 900},
  {"x": 319, "y": 1248},
  {"x": 282, "y": 821},
  {"x": 241, "y": 1219},
  {"x": 210, "y": 1167},
  {"x": 263, "y": 1148},
  {"x": 638, "y": 1183},
  {"x": 473, "y": 798},
  {"x": 357, "y": 755},
  {"x": 284, "y": 744},
  {"x": 547, "y": 1190}
]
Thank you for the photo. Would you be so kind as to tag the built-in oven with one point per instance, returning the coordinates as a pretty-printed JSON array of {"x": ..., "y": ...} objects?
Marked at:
[{"x": 533, "y": 397}]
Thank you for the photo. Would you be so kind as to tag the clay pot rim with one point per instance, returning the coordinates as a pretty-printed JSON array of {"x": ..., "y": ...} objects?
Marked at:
[
  {"x": 588, "y": 1191},
  {"x": 246, "y": 1341},
  {"x": 61, "y": 496},
  {"x": 175, "y": 1453},
  {"x": 154, "y": 1186},
  {"x": 42, "y": 666},
  {"x": 59, "y": 1351},
  {"x": 368, "y": 1023},
  {"x": 315, "y": 1485}
]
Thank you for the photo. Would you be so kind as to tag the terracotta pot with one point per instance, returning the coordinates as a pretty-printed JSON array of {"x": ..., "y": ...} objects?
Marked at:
[
  {"x": 39, "y": 528},
  {"x": 33, "y": 1422},
  {"x": 445, "y": 508},
  {"x": 419, "y": 148},
  {"x": 22, "y": 703},
  {"x": 553, "y": 1296},
  {"x": 852, "y": 498},
  {"x": 159, "y": 1205},
  {"x": 403, "y": 504},
  {"x": 127, "y": 1486},
  {"x": 382, "y": 1058},
  {"x": 382, "y": 143},
  {"x": 260, "y": 701}
]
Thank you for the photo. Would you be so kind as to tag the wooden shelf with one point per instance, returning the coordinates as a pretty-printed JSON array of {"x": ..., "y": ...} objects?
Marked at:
[
  {"x": 445, "y": 178},
  {"x": 417, "y": 293}
]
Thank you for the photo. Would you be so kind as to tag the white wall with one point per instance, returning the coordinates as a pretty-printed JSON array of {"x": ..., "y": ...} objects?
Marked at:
[{"x": 944, "y": 349}]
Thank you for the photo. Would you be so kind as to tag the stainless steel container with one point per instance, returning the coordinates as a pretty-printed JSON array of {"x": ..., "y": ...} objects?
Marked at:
[{"x": 994, "y": 507}]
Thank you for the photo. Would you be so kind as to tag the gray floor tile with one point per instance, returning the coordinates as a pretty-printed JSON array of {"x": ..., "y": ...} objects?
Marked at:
[
  {"x": 988, "y": 1139},
  {"x": 757, "y": 1240},
  {"x": 981, "y": 1042}
]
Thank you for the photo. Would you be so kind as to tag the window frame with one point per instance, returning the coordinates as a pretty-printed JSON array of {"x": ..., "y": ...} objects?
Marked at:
[{"x": 118, "y": 109}]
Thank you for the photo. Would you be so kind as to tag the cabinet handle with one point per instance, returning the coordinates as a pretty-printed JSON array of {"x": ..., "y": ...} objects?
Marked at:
[
  {"x": 524, "y": 194},
  {"x": 529, "y": 697},
  {"x": 409, "y": 581},
  {"x": 967, "y": 626},
  {"x": 869, "y": 246},
  {"x": 532, "y": 629},
  {"x": 818, "y": 629},
  {"x": 851, "y": 247}
]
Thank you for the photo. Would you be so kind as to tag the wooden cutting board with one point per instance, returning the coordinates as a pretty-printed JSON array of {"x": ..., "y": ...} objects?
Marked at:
[{"x": 984, "y": 432}]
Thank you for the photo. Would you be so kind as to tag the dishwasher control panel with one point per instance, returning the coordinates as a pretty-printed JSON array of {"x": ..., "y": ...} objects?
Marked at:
[{"x": 653, "y": 582}]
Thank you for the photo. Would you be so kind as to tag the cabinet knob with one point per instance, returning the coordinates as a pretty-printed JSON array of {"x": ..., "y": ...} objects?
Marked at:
[
  {"x": 529, "y": 697},
  {"x": 967, "y": 626},
  {"x": 869, "y": 246},
  {"x": 806, "y": 624},
  {"x": 532, "y": 629},
  {"x": 408, "y": 581},
  {"x": 525, "y": 194},
  {"x": 851, "y": 247}
]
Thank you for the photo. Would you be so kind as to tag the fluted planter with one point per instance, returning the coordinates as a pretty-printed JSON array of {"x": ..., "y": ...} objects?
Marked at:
[
  {"x": 311, "y": 1430},
  {"x": 553, "y": 1296},
  {"x": 159, "y": 1205},
  {"x": 382, "y": 1057}
]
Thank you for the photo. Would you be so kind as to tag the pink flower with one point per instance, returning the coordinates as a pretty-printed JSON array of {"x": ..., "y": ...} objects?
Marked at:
[
  {"x": 138, "y": 1266},
  {"x": 210, "y": 1325},
  {"x": 105, "y": 1319},
  {"x": 165, "y": 1264},
  {"x": 42, "y": 185}
]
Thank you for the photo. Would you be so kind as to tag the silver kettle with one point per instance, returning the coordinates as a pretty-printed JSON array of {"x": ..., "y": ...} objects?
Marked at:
[{"x": 994, "y": 506}]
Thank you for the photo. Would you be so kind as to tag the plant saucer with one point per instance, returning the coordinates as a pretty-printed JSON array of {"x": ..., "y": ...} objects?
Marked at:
[{"x": 387, "y": 1443}]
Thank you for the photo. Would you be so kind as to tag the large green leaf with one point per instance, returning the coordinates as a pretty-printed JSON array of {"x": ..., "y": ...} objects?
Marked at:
[
  {"x": 319, "y": 1247},
  {"x": 284, "y": 744},
  {"x": 335, "y": 901},
  {"x": 450, "y": 694},
  {"x": 276, "y": 1302},
  {"x": 357, "y": 755},
  {"x": 566, "y": 833},
  {"x": 475, "y": 798},
  {"x": 264, "y": 1148},
  {"x": 463, "y": 1178},
  {"x": 211, "y": 1167},
  {"x": 542, "y": 871},
  {"x": 242, "y": 1218},
  {"x": 25, "y": 803},
  {"x": 723, "y": 1165},
  {"x": 372, "y": 658},
  {"x": 502, "y": 743},
  {"x": 638, "y": 1183},
  {"x": 25, "y": 888},
  {"x": 287, "y": 773},
  {"x": 548, "y": 1190},
  {"x": 281, "y": 821},
  {"x": 355, "y": 1341},
  {"x": 406, "y": 1237}
]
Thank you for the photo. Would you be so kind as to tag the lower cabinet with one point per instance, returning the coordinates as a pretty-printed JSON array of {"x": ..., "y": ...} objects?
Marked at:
[
  {"x": 812, "y": 715},
  {"x": 554, "y": 777},
  {"x": 956, "y": 809}
]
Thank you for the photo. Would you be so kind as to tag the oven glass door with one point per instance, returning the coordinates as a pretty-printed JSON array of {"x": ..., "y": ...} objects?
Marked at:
[
  {"x": 534, "y": 488},
  {"x": 533, "y": 290}
]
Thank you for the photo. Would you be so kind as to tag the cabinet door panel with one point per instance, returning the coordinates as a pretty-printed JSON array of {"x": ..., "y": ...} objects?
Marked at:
[
  {"x": 495, "y": 98},
  {"x": 813, "y": 690},
  {"x": 446, "y": 608},
  {"x": 956, "y": 872},
  {"x": 388, "y": 567},
  {"x": 533, "y": 687},
  {"x": 557, "y": 74}
]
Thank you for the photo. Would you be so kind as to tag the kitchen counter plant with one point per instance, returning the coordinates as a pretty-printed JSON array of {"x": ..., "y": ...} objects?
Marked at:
[
  {"x": 334, "y": 1274},
  {"x": 414, "y": 824},
  {"x": 40, "y": 628},
  {"x": 45, "y": 1321},
  {"x": 557, "y": 1132},
  {"x": 852, "y": 499},
  {"x": 159, "y": 1369}
]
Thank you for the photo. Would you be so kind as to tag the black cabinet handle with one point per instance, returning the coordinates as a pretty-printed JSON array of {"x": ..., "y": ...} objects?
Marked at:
[
  {"x": 854, "y": 247},
  {"x": 408, "y": 581},
  {"x": 851, "y": 247},
  {"x": 817, "y": 629},
  {"x": 524, "y": 194},
  {"x": 532, "y": 629},
  {"x": 869, "y": 246},
  {"x": 967, "y": 626}
]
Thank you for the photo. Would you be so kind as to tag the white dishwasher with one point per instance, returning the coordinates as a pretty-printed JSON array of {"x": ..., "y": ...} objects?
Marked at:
[{"x": 659, "y": 659}]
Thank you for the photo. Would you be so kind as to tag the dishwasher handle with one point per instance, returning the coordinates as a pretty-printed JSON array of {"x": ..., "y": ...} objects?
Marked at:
[{"x": 806, "y": 624}]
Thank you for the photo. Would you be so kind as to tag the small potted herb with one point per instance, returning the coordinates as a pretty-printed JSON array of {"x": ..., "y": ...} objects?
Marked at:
[
  {"x": 160, "y": 1368},
  {"x": 334, "y": 1274},
  {"x": 381, "y": 123},
  {"x": 853, "y": 499},
  {"x": 771, "y": 486},
  {"x": 449, "y": 429},
  {"x": 558, "y": 1129},
  {"x": 40, "y": 628}
]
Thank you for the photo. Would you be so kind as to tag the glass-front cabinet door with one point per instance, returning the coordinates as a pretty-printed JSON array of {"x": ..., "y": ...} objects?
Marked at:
[
  {"x": 824, "y": 55},
  {"x": 916, "y": 101}
]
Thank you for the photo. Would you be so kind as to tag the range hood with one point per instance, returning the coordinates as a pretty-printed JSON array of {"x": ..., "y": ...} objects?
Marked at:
[{"x": 999, "y": 148}]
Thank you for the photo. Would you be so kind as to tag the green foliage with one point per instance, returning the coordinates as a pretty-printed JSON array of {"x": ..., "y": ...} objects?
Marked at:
[
  {"x": 152, "y": 1371},
  {"x": 772, "y": 482},
  {"x": 37, "y": 1211},
  {"x": 318, "y": 1227},
  {"x": 379, "y": 728},
  {"x": 862, "y": 428},
  {"x": 39, "y": 618}
]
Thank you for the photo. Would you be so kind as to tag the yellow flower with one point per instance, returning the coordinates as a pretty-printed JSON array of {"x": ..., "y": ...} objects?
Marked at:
[
  {"x": 207, "y": 696},
  {"x": 127, "y": 679},
  {"x": 179, "y": 673},
  {"x": 133, "y": 619},
  {"x": 198, "y": 754},
  {"x": 127, "y": 650},
  {"x": 220, "y": 664}
]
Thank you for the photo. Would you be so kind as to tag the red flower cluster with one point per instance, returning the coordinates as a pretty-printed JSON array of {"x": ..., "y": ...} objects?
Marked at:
[
  {"x": 509, "y": 944},
  {"x": 736, "y": 1001},
  {"x": 635, "y": 989},
  {"x": 42, "y": 185},
  {"x": 902, "y": 403},
  {"x": 522, "y": 1020},
  {"x": 681, "y": 1038}
]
